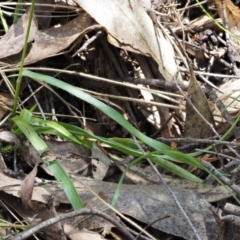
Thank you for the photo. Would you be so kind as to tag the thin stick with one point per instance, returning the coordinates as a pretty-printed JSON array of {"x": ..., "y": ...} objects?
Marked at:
[{"x": 84, "y": 211}]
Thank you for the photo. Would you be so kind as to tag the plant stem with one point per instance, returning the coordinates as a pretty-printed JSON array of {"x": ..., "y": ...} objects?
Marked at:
[{"x": 19, "y": 79}]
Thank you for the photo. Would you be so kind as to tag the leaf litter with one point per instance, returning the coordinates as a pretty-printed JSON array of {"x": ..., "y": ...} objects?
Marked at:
[{"x": 130, "y": 29}]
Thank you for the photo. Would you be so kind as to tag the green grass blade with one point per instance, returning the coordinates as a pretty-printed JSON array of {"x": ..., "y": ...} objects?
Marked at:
[
  {"x": 31, "y": 135},
  {"x": 4, "y": 23},
  {"x": 112, "y": 113},
  {"x": 41, "y": 147},
  {"x": 158, "y": 160},
  {"x": 59, "y": 129},
  {"x": 19, "y": 79},
  {"x": 67, "y": 184},
  {"x": 17, "y": 11},
  {"x": 124, "y": 147}
]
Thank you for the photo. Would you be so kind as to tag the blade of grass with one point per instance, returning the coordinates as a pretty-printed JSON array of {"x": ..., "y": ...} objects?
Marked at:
[
  {"x": 216, "y": 23},
  {"x": 134, "y": 162},
  {"x": 19, "y": 79},
  {"x": 112, "y": 113},
  {"x": 4, "y": 23},
  {"x": 31, "y": 135},
  {"x": 56, "y": 168},
  {"x": 17, "y": 11},
  {"x": 125, "y": 148},
  {"x": 66, "y": 182}
]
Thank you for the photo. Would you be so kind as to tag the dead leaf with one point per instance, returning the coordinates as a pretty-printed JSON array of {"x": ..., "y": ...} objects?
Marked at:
[
  {"x": 14, "y": 203},
  {"x": 27, "y": 187},
  {"x": 148, "y": 176},
  {"x": 230, "y": 97},
  {"x": 143, "y": 202},
  {"x": 233, "y": 15},
  {"x": 195, "y": 125},
  {"x": 72, "y": 157},
  {"x": 7, "y": 136},
  {"x": 149, "y": 202},
  {"x": 12, "y": 42},
  {"x": 53, "y": 40},
  {"x": 12, "y": 186},
  {"x": 6, "y": 103},
  {"x": 47, "y": 42},
  {"x": 129, "y": 27}
]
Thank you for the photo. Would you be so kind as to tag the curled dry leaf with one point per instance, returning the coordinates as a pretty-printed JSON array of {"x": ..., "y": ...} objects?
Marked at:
[
  {"x": 129, "y": 27},
  {"x": 53, "y": 40},
  {"x": 27, "y": 188}
]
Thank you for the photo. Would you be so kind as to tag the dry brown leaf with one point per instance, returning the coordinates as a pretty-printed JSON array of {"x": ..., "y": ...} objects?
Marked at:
[
  {"x": 14, "y": 203},
  {"x": 195, "y": 125},
  {"x": 129, "y": 27},
  {"x": 47, "y": 42},
  {"x": 150, "y": 202},
  {"x": 27, "y": 187},
  {"x": 233, "y": 15},
  {"x": 12, "y": 42},
  {"x": 12, "y": 186},
  {"x": 72, "y": 157},
  {"x": 145, "y": 203},
  {"x": 53, "y": 40}
]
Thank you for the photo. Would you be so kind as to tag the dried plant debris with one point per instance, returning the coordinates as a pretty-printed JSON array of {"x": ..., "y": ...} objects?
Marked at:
[
  {"x": 198, "y": 123},
  {"x": 74, "y": 158},
  {"x": 45, "y": 43},
  {"x": 145, "y": 203},
  {"x": 126, "y": 53},
  {"x": 233, "y": 16}
]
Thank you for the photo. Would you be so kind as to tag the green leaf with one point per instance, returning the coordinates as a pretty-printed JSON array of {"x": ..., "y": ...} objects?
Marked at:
[
  {"x": 39, "y": 145},
  {"x": 112, "y": 113},
  {"x": 67, "y": 184}
]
